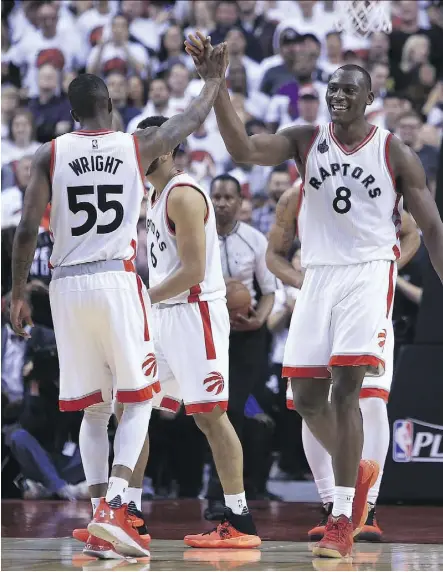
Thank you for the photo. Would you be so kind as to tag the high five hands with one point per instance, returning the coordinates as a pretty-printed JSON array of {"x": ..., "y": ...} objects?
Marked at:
[{"x": 210, "y": 62}]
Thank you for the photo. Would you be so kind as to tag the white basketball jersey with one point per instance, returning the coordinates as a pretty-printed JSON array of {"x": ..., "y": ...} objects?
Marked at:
[
  {"x": 97, "y": 189},
  {"x": 352, "y": 213},
  {"x": 163, "y": 259}
]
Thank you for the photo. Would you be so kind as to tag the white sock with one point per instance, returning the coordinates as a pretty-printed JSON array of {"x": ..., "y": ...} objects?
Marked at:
[
  {"x": 117, "y": 487},
  {"x": 94, "y": 443},
  {"x": 376, "y": 437},
  {"x": 131, "y": 433},
  {"x": 320, "y": 463},
  {"x": 343, "y": 497},
  {"x": 95, "y": 502},
  {"x": 134, "y": 495},
  {"x": 237, "y": 503}
]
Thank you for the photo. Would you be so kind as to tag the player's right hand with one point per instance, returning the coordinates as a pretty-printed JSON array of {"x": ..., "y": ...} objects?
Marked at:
[
  {"x": 20, "y": 315},
  {"x": 211, "y": 63}
]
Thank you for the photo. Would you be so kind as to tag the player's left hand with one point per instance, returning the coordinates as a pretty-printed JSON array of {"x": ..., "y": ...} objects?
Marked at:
[
  {"x": 20, "y": 315},
  {"x": 246, "y": 324}
]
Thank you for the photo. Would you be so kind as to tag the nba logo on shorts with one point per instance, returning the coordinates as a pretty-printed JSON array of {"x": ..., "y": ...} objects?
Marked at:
[{"x": 403, "y": 438}]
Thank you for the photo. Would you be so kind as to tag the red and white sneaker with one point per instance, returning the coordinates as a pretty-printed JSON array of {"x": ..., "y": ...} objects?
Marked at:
[
  {"x": 100, "y": 549},
  {"x": 338, "y": 539},
  {"x": 367, "y": 475},
  {"x": 112, "y": 524}
]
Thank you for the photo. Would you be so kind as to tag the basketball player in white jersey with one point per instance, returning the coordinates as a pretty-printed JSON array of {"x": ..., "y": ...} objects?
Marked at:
[
  {"x": 94, "y": 179},
  {"x": 354, "y": 177},
  {"x": 374, "y": 394},
  {"x": 191, "y": 325}
]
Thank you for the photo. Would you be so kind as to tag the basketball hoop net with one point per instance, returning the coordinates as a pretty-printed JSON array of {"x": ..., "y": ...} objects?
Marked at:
[{"x": 363, "y": 17}]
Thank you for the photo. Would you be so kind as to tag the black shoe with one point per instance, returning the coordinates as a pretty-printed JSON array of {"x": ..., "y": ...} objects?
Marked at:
[
  {"x": 215, "y": 510},
  {"x": 317, "y": 533},
  {"x": 370, "y": 532},
  {"x": 241, "y": 522},
  {"x": 133, "y": 510}
]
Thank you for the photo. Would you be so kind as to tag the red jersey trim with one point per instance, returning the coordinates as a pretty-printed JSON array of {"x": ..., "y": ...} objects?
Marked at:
[
  {"x": 365, "y": 141},
  {"x": 205, "y": 407},
  {"x": 194, "y": 294},
  {"x": 137, "y": 395},
  {"x": 355, "y": 360},
  {"x": 142, "y": 302},
  {"x": 80, "y": 403},
  {"x": 308, "y": 372},
  {"x": 53, "y": 159},
  {"x": 139, "y": 161},
  {"x": 390, "y": 294},
  {"x": 91, "y": 133},
  {"x": 366, "y": 392},
  {"x": 207, "y": 330},
  {"x": 170, "y": 404},
  {"x": 388, "y": 159}
]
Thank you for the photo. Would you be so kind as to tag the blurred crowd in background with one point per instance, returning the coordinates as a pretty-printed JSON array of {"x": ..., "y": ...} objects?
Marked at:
[{"x": 282, "y": 54}]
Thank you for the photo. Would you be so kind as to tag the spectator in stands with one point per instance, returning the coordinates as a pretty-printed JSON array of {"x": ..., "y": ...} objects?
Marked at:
[
  {"x": 415, "y": 53},
  {"x": 308, "y": 107},
  {"x": 255, "y": 102},
  {"x": 227, "y": 15},
  {"x": 282, "y": 73},
  {"x": 379, "y": 78},
  {"x": 334, "y": 53},
  {"x": 147, "y": 31},
  {"x": 278, "y": 182},
  {"x": 257, "y": 24},
  {"x": 172, "y": 51},
  {"x": 378, "y": 48},
  {"x": 91, "y": 23},
  {"x": 178, "y": 80},
  {"x": 137, "y": 93},
  {"x": 12, "y": 197},
  {"x": 118, "y": 53},
  {"x": 10, "y": 102},
  {"x": 407, "y": 25},
  {"x": 236, "y": 40},
  {"x": 52, "y": 111},
  {"x": 21, "y": 140},
  {"x": 158, "y": 103},
  {"x": 245, "y": 212},
  {"x": 118, "y": 92},
  {"x": 48, "y": 45},
  {"x": 309, "y": 17},
  {"x": 393, "y": 105},
  {"x": 201, "y": 17},
  {"x": 409, "y": 125}
]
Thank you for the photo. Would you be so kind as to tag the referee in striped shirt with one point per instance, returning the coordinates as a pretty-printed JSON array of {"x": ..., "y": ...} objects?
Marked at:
[{"x": 243, "y": 250}]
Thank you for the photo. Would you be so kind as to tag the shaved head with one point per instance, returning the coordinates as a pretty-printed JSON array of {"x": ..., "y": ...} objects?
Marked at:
[{"x": 366, "y": 78}]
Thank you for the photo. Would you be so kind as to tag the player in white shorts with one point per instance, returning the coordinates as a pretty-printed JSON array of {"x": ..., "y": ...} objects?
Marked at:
[
  {"x": 374, "y": 394},
  {"x": 94, "y": 179},
  {"x": 352, "y": 171},
  {"x": 191, "y": 324}
]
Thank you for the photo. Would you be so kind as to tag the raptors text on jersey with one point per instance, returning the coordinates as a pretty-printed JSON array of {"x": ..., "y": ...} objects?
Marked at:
[
  {"x": 97, "y": 189},
  {"x": 163, "y": 259},
  {"x": 351, "y": 212}
]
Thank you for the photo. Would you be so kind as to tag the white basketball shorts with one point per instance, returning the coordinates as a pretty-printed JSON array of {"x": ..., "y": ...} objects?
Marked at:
[
  {"x": 373, "y": 386},
  {"x": 342, "y": 318},
  {"x": 191, "y": 344},
  {"x": 103, "y": 337}
]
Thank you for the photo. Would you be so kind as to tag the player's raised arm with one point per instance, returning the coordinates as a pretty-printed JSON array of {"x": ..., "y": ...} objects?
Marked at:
[
  {"x": 37, "y": 197},
  {"x": 281, "y": 238},
  {"x": 262, "y": 149},
  {"x": 409, "y": 239},
  {"x": 157, "y": 141},
  {"x": 409, "y": 171},
  {"x": 187, "y": 209}
]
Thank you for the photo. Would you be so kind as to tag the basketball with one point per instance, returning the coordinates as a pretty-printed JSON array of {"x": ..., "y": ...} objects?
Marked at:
[{"x": 238, "y": 298}]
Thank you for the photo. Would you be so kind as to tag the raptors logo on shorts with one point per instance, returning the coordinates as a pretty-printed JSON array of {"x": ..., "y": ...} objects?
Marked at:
[
  {"x": 382, "y": 338},
  {"x": 214, "y": 383},
  {"x": 150, "y": 365}
]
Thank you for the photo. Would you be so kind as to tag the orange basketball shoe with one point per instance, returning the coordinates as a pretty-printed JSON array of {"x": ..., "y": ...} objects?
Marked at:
[
  {"x": 112, "y": 524},
  {"x": 100, "y": 549},
  {"x": 338, "y": 539},
  {"x": 367, "y": 475},
  {"x": 371, "y": 532},
  {"x": 134, "y": 515},
  {"x": 235, "y": 531}
]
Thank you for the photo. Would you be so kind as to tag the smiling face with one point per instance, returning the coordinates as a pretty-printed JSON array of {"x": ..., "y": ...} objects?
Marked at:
[{"x": 347, "y": 96}]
